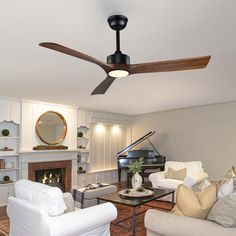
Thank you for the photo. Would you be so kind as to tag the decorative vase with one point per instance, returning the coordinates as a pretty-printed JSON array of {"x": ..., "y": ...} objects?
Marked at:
[{"x": 136, "y": 181}]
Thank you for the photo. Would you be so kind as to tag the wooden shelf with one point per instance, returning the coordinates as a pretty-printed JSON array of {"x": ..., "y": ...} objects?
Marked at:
[
  {"x": 9, "y": 169},
  {"x": 9, "y": 137},
  {"x": 83, "y": 163},
  {"x": 8, "y": 154},
  {"x": 82, "y": 138},
  {"x": 84, "y": 150},
  {"x": 7, "y": 184}
]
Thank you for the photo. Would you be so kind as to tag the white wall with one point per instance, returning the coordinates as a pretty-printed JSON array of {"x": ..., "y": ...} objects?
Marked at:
[
  {"x": 30, "y": 113},
  {"x": 206, "y": 133}
]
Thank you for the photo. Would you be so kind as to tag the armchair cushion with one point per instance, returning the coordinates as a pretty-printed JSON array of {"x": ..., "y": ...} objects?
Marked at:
[
  {"x": 169, "y": 183},
  {"x": 193, "y": 167},
  {"x": 157, "y": 176},
  {"x": 48, "y": 199}
]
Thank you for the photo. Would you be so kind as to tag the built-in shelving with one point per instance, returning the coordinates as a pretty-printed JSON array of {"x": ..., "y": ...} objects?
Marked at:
[
  {"x": 9, "y": 157},
  {"x": 8, "y": 169},
  {"x": 83, "y": 143}
]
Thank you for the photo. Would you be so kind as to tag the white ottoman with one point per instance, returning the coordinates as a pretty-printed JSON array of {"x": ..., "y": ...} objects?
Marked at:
[{"x": 88, "y": 198}]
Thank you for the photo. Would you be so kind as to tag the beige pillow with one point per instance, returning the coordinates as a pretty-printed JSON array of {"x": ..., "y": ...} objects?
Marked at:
[
  {"x": 196, "y": 205},
  {"x": 176, "y": 174},
  {"x": 224, "y": 211}
]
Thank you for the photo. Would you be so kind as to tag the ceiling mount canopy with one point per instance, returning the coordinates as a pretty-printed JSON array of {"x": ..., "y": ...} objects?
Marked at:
[{"x": 118, "y": 64}]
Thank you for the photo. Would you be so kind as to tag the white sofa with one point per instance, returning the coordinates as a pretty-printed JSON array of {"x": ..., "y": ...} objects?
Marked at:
[
  {"x": 38, "y": 210},
  {"x": 160, "y": 223},
  {"x": 195, "y": 175}
]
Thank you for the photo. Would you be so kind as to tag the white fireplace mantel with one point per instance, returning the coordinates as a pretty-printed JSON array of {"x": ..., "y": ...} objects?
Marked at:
[{"x": 27, "y": 157}]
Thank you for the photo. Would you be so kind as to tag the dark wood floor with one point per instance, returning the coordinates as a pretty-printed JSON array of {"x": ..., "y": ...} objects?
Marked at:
[{"x": 3, "y": 214}]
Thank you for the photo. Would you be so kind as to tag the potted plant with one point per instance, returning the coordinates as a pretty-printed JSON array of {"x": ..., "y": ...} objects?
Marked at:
[
  {"x": 135, "y": 168},
  {"x": 5, "y": 132},
  {"x": 80, "y": 134}
]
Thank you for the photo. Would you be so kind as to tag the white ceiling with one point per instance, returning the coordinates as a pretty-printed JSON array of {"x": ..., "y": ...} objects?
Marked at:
[{"x": 157, "y": 30}]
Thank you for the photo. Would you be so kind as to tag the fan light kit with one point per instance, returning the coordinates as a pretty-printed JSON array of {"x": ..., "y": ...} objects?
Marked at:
[
  {"x": 118, "y": 64},
  {"x": 118, "y": 73}
]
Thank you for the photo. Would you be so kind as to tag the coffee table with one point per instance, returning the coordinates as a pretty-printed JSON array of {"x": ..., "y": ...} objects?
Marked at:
[{"x": 135, "y": 202}]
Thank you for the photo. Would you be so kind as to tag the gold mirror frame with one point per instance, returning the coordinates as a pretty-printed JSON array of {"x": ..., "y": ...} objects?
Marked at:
[{"x": 64, "y": 132}]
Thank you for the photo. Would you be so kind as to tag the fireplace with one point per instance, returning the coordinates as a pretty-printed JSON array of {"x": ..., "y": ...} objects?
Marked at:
[
  {"x": 52, "y": 177},
  {"x": 55, "y": 173}
]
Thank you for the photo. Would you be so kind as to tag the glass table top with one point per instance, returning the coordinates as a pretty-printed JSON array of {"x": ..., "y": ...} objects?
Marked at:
[{"x": 135, "y": 201}]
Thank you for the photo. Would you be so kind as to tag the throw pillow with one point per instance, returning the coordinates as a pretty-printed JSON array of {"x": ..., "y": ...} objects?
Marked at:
[
  {"x": 69, "y": 201},
  {"x": 226, "y": 188},
  {"x": 231, "y": 174},
  {"x": 205, "y": 183},
  {"x": 196, "y": 205},
  {"x": 224, "y": 211},
  {"x": 176, "y": 174}
]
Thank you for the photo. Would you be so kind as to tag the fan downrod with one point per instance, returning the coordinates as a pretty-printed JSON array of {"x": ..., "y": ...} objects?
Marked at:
[{"x": 118, "y": 23}]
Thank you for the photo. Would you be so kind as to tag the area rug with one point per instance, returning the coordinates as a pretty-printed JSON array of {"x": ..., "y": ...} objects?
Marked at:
[
  {"x": 123, "y": 228},
  {"x": 4, "y": 227}
]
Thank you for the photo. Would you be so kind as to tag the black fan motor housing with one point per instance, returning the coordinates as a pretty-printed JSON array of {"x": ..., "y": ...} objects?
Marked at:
[{"x": 118, "y": 58}]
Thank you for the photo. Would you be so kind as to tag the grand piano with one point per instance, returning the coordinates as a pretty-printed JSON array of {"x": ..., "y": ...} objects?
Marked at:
[{"x": 152, "y": 158}]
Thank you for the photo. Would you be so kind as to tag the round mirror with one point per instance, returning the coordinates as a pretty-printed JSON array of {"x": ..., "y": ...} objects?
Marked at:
[{"x": 51, "y": 128}]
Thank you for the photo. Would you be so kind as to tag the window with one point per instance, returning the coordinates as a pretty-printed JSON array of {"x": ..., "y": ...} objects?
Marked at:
[{"x": 106, "y": 141}]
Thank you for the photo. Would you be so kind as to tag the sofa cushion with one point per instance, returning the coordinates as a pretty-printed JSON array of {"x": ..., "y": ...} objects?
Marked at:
[
  {"x": 196, "y": 205},
  {"x": 48, "y": 199},
  {"x": 176, "y": 174},
  {"x": 224, "y": 211}
]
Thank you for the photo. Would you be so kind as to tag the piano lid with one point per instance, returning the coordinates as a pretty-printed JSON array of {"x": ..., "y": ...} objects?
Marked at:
[{"x": 146, "y": 136}]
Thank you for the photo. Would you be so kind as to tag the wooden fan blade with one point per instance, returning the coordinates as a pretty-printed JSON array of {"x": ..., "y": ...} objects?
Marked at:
[
  {"x": 74, "y": 53},
  {"x": 170, "y": 65},
  {"x": 103, "y": 86}
]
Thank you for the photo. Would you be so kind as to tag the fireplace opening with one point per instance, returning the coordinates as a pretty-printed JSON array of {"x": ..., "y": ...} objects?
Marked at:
[
  {"x": 52, "y": 177},
  {"x": 54, "y": 173}
]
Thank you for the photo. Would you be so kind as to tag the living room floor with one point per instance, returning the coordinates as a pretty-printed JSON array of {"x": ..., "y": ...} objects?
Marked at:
[
  {"x": 3, "y": 214},
  {"x": 123, "y": 212}
]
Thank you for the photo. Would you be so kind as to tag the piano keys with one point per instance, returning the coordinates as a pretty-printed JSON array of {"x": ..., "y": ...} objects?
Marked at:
[{"x": 152, "y": 158}]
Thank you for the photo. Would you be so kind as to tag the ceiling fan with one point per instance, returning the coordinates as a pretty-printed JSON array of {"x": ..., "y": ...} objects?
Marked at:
[{"x": 118, "y": 64}]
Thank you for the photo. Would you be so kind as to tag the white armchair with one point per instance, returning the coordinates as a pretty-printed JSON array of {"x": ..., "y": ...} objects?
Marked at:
[
  {"x": 38, "y": 210},
  {"x": 195, "y": 175}
]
